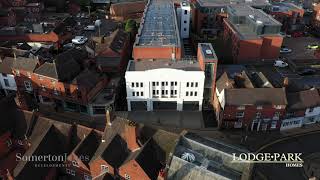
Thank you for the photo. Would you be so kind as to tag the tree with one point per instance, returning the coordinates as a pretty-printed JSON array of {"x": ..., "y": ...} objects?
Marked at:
[{"x": 130, "y": 25}]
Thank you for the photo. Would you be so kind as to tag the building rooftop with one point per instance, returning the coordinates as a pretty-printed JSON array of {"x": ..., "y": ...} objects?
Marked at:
[
  {"x": 223, "y": 3},
  {"x": 157, "y": 64},
  {"x": 159, "y": 25},
  {"x": 284, "y": 7},
  {"x": 251, "y": 23},
  {"x": 208, "y": 51}
]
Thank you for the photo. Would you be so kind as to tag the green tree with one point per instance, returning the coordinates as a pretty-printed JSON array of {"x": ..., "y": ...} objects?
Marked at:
[{"x": 130, "y": 25}]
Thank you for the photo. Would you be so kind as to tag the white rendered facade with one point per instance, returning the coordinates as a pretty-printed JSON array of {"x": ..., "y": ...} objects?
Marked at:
[
  {"x": 164, "y": 85},
  {"x": 185, "y": 20}
]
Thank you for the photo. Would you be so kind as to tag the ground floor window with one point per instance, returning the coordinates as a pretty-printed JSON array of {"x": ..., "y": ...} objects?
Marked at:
[{"x": 99, "y": 109}]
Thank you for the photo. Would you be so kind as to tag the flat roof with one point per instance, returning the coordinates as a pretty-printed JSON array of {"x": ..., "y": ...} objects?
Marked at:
[
  {"x": 186, "y": 65},
  {"x": 208, "y": 51},
  {"x": 284, "y": 7},
  {"x": 159, "y": 25},
  {"x": 252, "y": 15},
  {"x": 223, "y": 3}
]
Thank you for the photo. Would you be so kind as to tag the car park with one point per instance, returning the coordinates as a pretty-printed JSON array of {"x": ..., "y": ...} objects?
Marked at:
[
  {"x": 280, "y": 63},
  {"x": 79, "y": 40}
]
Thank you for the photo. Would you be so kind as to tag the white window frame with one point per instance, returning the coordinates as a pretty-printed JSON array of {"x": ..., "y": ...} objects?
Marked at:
[
  {"x": 75, "y": 163},
  {"x": 104, "y": 168},
  {"x": 127, "y": 177}
]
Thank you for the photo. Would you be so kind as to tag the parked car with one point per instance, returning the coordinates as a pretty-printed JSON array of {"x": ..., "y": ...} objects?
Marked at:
[
  {"x": 313, "y": 46},
  {"x": 285, "y": 50},
  {"x": 297, "y": 34},
  {"x": 79, "y": 40},
  {"x": 280, "y": 63},
  {"x": 307, "y": 71},
  {"x": 68, "y": 46},
  {"x": 90, "y": 28}
]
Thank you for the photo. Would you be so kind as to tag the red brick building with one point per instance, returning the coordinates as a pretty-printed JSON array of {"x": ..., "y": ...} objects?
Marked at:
[
  {"x": 251, "y": 35},
  {"x": 111, "y": 52},
  {"x": 242, "y": 105},
  {"x": 127, "y": 10},
  {"x": 158, "y": 35},
  {"x": 289, "y": 15}
]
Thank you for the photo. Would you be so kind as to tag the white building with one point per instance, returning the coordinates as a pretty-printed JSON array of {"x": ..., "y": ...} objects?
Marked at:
[
  {"x": 185, "y": 14},
  {"x": 164, "y": 85},
  {"x": 7, "y": 81}
]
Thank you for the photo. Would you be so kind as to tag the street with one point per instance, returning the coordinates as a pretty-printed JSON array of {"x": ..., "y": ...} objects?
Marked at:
[{"x": 305, "y": 144}]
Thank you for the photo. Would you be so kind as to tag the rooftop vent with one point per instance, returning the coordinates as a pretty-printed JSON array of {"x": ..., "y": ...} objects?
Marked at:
[
  {"x": 208, "y": 51},
  {"x": 188, "y": 157}
]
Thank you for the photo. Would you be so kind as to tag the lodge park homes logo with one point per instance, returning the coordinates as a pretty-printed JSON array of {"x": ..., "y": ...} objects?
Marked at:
[{"x": 289, "y": 159}]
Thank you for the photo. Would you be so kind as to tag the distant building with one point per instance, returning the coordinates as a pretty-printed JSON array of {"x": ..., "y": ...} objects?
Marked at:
[
  {"x": 207, "y": 15},
  {"x": 196, "y": 157},
  {"x": 127, "y": 10},
  {"x": 158, "y": 34},
  {"x": 251, "y": 34},
  {"x": 184, "y": 16},
  {"x": 289, "y": 15}
]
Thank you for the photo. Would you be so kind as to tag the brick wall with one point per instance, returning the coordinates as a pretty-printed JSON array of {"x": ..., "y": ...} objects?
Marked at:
[{"x": 140, "y": 53}]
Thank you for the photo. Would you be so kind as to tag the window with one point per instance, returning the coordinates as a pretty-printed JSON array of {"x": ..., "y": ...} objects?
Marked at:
[
  {"x": 55, "y": 91},
  {"x": 162, "y": 92},
  {"x": 28, "y": 85},
  {"x": 68, "y": 93},
  {"x": 240, "y": 115},
  {"x": 171, "y": 92},
  {"x": 137, "y": 93},
  {"x": 259, "y": 107},
  {"x": 241, "y": 107},
  {"x": 126, "y": 177},
  {"x": 75, "y": 163},
  {"x": 184, "y": 29},
  {"x": 132, "y": 84},
  {"x": 191, "y": 93},
  {"x": 187, "y": 84},
  {"x": 187, "y": 93},
  {"x": 175, "y": 92},
  {"x": 185, "y": 12},
  {"x": 258, "y": 115},
  {"x": 137, "y": 84},
  {"x": 17, "y": 73},
  {"x": 166, "y": 92},
  {"x": 4, "y": 75},
  {"x": 196, "y": 93},
  {"x": 172, "y": 83},
  {"x": 185, "y": 22},
  {"x": 141, "y": 84},
  {"x": 277, "y": 114},
  {"x": 71, "y": 172},
  {"x": 141, "y": 93},
  {"x": 104, "y": 168},
  {"x": 310, "y": 110},
  {"x": 133, "y": 94},
  {"x": 154, "y": 92},
  {"x": 176, "y": 83},
  {"x": 6, "y": 82},
  {"x": 43, "y": 88},
  {"x": 9, "y": 142},
  {"x": 158, "y": 92},
  {"x": 157, "y": 83},
  {"x": 191, "y": 84},
  {"x": 162, "y": 83},
  {"x": 87, "y": 177},
  {"x": 166, "y": 83},
  {"x": 153, "y": 83},
  {"x": 196, "y": 84}
]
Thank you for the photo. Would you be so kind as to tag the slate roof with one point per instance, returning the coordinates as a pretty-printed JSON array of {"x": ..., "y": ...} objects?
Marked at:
[
  {"x": 303, "y": 99},
  {"x": 116, "y": 152},
  {"x": 255, "y": 96},
  {"x": 88, "y": 146},
  {"x": 6, "y": 65},
  {"x": 65, "y": 67},
  {"x": 224, "y": 82},
  {"x": 27, "y": 64},
  {"x": 87, "y": 78}
]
